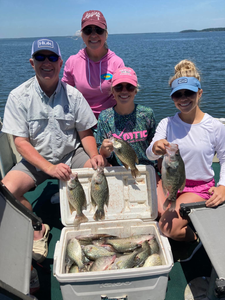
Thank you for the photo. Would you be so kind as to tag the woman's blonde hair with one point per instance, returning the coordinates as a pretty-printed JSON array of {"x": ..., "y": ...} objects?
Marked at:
[{"x": 185, "y": 68}]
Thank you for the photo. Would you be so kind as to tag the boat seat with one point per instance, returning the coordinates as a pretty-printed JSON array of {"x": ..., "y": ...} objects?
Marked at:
[
  {"x": 8, "y": 154},
  {"x": 210, "y": 225}
]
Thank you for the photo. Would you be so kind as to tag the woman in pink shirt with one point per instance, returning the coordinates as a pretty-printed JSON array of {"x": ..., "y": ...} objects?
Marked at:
[{"x": 91, "y": 69}]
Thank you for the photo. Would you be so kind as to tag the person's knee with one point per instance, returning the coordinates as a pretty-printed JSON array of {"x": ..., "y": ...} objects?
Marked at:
[{"x": 18, "y": 183}]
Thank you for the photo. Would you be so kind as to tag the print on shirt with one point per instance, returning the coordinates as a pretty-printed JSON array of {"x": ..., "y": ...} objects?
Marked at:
[
  {"x": 131, "y": 136},
  {"x": 106, "y": 76}
]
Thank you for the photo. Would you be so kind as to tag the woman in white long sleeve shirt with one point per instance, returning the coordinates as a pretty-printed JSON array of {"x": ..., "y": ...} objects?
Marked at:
[{"x": 198, "y": 136}]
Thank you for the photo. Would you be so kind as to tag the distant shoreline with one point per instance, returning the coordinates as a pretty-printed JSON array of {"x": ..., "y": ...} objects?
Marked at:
[{"x": 207, "y": 30}]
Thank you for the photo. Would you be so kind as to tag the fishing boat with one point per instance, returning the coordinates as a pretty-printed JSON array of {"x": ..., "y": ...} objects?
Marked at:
[{"x": 200, "y": 278}]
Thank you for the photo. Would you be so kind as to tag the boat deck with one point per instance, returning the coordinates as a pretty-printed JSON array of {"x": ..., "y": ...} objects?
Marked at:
[{"x": 180, "y": 275}]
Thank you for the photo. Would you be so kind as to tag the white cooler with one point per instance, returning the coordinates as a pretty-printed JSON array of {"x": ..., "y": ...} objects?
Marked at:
[{"x": 132, "y": 210}]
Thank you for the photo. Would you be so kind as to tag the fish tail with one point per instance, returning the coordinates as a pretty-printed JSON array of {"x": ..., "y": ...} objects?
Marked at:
[
  {"x": 80, "y": 219},
  {"x": 135, "y": 172},
  {"x": 99, "y": 215}
]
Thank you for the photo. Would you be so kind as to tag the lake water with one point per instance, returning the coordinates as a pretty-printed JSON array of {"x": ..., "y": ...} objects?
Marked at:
[{"x": 153, "y": 57}]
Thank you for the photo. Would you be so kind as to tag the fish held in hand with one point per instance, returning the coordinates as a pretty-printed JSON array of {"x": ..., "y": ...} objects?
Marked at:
[
  {"x": 126, "y": 154},
  {"x": 99, "y": 193},
  {"x": 77, "y": 199},
  {"x": 173, "y": 175}
]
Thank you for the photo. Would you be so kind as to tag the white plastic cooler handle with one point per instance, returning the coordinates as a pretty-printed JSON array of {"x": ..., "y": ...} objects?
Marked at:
[{"x": 104, "y": 297}]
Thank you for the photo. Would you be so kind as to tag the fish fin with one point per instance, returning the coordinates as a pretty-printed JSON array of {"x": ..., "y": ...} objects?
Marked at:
[
  {"x": 99, "y": 215},
  {"x": 165, "y": 191},
  {"x": 93, "y": 202},
  {"x": 183, "y": 185},
  {"x": 80, "y": 219},
  {"x": 72, "y": 208},
  {"x": 166, "y": 203},
  {"x": 85, "y": 204},
  {"x": 135, "y": 172},
  {"x": 172, "y": 206},
  {"x": 107, "y": 201},
  {"x": 125, "y": 165}
]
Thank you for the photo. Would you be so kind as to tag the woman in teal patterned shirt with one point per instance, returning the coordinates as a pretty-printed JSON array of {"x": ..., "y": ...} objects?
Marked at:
[{"x": 134, "y": 123}]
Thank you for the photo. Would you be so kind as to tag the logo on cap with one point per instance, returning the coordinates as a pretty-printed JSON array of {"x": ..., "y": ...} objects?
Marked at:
[
  {"x": 45, "y": 43},
  {"x": 125, "y": 72},
  {"x": 183, "y": 80},
  {"x": 94, "y": 13}
]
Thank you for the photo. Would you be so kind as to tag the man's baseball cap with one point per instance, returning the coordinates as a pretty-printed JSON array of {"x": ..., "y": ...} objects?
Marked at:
[{"x": 45, "y": 44}]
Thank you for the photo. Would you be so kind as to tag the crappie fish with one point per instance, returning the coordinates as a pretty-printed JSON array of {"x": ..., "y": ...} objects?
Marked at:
[
  {"x": 99, "y": 193},
  {"x": 154, "y": 246},
  {"x": 74, "y": 269},
  {"x": 93, "y": 252},
  {"x": 102, "y": 263},
  {"x": 74, "y": 252},
  {"x": 77, "y": 199},
  {"x": 91, "y": 237},
  {"x": 124, "y": 261},
  {"x": 153, "y": 260},
  {"x": 129, "y": 243},
  {"x": 68, "y": 263},
  {"x": 126, "y": 154},
  {"x": 144, "y": 254},
  {"x": 173, "y": 174}
]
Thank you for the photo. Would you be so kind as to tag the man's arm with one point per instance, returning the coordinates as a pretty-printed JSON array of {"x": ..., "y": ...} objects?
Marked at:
[
  {"x": 89, "y": 143},
  {"x": 24, "y": 147}
]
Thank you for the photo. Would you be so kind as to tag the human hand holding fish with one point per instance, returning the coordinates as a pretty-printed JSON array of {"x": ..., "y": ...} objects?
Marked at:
[
  {"x": 159, "y": 147},
  {"x": 106, "y": 148},
  {"x": 97, "y": 161},
  {"x": 60, "y": 171},
  {"x": 218, "y": 196}
]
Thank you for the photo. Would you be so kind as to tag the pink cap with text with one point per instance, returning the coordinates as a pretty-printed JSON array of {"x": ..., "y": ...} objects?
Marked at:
[
  {"x": 124, "y": 74},
  {"x": 93, "y": 17}
]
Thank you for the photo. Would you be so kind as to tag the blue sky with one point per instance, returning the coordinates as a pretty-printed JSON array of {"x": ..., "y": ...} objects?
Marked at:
[{"x": 27, "y": 18}]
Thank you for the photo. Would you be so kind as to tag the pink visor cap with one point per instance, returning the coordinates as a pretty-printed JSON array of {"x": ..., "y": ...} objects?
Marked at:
[
  {"x": 124, "y": 74},
  {"x": 93, "y": 17}
]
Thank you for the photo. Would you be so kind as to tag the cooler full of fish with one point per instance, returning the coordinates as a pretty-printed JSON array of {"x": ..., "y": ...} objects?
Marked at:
[{"x": 126, "y": 223}]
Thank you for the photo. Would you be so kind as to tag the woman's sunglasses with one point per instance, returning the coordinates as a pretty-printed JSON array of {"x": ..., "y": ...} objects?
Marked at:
[
  {"x": 89, "y": 29},
  {"x": 50, "y": 57},
  {"x": 186, "y": 93},
  {"x": 129, "y": 87}
]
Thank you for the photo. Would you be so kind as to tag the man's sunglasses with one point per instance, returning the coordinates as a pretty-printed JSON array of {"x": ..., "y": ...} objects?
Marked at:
[
  {"x": 89, "y": 29},
  {"x": 129, "y": 87},
  {"x": 186, "y": 93},
  {"x": 50, "y": 57}
]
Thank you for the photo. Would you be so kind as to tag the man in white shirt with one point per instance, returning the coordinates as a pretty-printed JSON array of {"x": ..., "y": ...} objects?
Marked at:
[{"x": 51, "y": 123}]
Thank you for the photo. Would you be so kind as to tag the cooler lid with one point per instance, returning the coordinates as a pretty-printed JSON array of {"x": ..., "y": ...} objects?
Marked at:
[
  {"x": 128, "y": 198},
  {"x": 210, "y": 225},
  {"x": 16, "y": 236}
]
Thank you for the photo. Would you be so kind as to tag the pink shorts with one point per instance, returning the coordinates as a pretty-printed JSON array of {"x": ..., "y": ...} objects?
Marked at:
[{"x": 198, "y": 187}]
